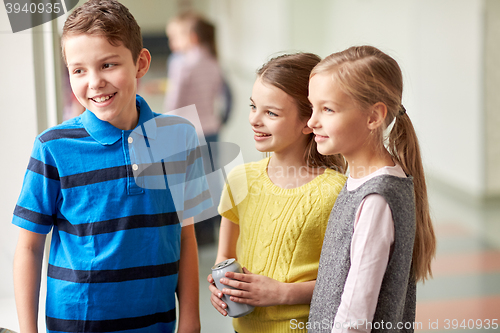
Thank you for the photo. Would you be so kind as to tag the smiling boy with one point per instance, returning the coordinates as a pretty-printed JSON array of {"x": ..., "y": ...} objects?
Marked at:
[
  {"x": 118, "y": 251},
  {"x": 103, "y": 77}
]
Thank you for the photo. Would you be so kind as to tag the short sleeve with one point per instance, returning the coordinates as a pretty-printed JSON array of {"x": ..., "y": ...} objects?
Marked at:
[
  {"x": 36, "y": 207},
  {"x": 227, "y": 208},
  {"x": 234, "y": 193}
]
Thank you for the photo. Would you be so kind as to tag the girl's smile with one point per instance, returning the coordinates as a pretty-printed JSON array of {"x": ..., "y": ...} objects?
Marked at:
[
  {"x": 275, "y": 120},
  {"x": 319, "y": 138},
  {"x": 259, "y": 136}
]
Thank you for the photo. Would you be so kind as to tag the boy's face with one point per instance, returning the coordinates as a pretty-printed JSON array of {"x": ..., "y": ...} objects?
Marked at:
[{"x": 104, "y": 77}]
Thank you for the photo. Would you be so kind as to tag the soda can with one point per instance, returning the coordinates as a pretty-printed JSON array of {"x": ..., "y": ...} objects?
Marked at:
[{"x": 219, "y": 270}]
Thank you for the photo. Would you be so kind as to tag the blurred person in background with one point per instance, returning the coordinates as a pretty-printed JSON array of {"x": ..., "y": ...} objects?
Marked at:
[{"x": 195, "y": 77}]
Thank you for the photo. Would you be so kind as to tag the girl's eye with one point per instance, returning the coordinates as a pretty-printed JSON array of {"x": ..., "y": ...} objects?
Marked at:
[
  {"x": 252, "y": 106},
  {"x": 272, "y": 114},
  {"x": 107, "y": 65},
  {"x": 327, "y": 110},
  {"x": 77, "y": 71}
]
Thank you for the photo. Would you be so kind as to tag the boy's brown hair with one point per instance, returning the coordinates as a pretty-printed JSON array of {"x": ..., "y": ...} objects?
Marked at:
[{"x": 106, "y": 18}]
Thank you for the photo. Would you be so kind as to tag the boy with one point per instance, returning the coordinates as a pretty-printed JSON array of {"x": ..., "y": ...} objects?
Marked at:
[{"x": 118, "y": 252}]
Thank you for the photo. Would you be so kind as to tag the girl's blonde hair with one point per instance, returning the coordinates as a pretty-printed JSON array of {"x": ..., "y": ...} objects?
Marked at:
[
  {"x": 369, "y": 76},
  {"x": 290, "y": 73}
]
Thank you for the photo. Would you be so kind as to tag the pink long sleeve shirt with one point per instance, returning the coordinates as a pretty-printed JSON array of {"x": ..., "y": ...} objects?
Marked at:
[
  {"x": 195, "y": 78},
  {"x": 370, "y": 250}
]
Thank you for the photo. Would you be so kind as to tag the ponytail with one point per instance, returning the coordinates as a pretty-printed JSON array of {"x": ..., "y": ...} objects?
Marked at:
[
  {"x": 369, "y": 76},
  {"x": 404, "y": 148}
]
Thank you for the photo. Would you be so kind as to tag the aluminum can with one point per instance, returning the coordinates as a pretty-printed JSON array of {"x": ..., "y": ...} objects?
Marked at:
[{"x": 219, "y": 270}]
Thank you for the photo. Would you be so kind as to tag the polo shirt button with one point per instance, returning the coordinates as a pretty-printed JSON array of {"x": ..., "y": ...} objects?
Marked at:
[
  {"x": 130, "y": 139},
  {"x": 135, "y": 167}
]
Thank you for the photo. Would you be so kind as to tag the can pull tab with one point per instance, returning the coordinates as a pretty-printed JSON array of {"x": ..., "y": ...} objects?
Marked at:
[{"x": 224, "y": 263}]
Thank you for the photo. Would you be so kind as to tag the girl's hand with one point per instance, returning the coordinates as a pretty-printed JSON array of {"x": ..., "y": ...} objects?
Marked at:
[
  {"x": 254, "y": 289},
  {"x": 216, "y": 296}
]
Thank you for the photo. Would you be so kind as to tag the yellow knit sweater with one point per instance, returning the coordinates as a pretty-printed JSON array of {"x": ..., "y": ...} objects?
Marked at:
[{"x": 281, "y": 234}]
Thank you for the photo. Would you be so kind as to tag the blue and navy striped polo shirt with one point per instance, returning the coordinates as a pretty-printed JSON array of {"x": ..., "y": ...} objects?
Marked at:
[{"x": 115, "y": 250}]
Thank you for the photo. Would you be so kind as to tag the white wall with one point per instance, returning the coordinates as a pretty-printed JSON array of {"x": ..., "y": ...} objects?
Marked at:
[
  {"x": 492, "y": 96},
  {"x": 449, "y": 91},
  {"x": 249, "y": 33},
  {"x": 29, "y": 89},
  {"x": 438, "y": 44},
  {"x": 17, "y": 132},
  {"x": 152, "y": 14}
]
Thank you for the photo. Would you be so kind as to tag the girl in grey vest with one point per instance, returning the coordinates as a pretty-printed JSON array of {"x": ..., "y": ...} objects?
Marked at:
[{"x": 379, "y": 241}]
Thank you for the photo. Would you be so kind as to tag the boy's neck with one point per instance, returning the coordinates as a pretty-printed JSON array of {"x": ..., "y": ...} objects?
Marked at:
[
  {"x": 133, "y": 122},
  {"x": 130, "y": 123}
]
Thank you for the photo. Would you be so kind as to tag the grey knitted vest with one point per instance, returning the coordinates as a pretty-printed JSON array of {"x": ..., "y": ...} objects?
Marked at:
[{"x": 395, "y": 310}]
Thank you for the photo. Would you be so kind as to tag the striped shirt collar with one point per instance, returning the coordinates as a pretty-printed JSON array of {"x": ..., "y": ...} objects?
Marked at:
[{"x": 106, "y": 134}]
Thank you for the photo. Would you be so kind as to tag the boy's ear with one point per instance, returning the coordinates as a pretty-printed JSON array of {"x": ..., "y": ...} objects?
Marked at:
[
  {"x": 143, "y": 62},
  {"x": 377, "y": 115}
]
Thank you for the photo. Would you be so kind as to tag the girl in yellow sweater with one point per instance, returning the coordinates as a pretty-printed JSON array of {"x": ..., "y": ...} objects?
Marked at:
[{"x": 275, "y": 212}]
